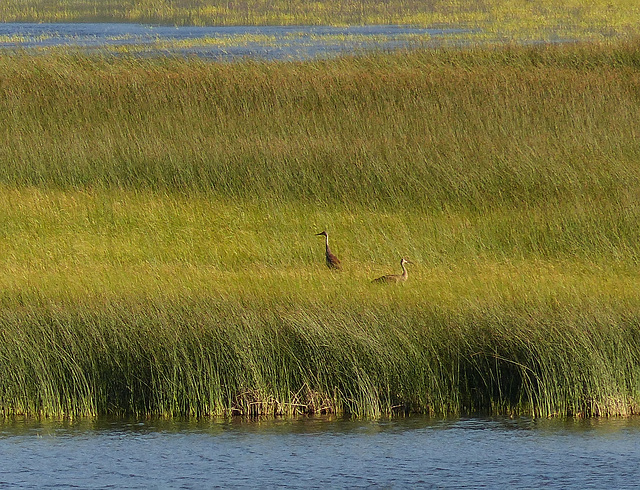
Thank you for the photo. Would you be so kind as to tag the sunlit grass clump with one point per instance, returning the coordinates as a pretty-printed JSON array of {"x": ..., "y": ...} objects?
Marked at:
[{"x": 158, "y": 220}]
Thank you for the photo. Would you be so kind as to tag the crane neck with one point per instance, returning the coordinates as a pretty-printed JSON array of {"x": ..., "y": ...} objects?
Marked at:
[{"x": 405, "y": 273}]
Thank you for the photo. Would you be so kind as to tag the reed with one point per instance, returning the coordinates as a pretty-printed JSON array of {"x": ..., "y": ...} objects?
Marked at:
[
  {"x": 212, "y": 358},
  {"x": 158, "y": 220}
]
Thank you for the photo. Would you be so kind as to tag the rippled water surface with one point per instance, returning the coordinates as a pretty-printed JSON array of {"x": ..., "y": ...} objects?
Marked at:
[
  {"x": 262, "y": 42},
  {"x": 398, "y": 453}
]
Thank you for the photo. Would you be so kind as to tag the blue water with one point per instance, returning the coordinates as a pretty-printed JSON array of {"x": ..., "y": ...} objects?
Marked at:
[
  {"x": 415, "y": 452},
  {"x": 261, "y": 42}
]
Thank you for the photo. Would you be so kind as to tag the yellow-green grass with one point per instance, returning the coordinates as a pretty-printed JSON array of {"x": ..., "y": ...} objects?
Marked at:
[
  {"x": 157, "y": 222},
  {"x": 499, "y": 19}
]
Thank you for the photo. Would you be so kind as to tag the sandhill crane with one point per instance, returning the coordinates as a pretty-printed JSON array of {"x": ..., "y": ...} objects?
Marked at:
[
  {"x": 396, "y": 278},
  {"x": 333, "y": 262}
]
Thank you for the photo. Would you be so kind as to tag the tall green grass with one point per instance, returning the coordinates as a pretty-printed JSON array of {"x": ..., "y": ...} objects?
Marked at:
[
  {"x": 211, "y": 357},
  {"x": 510, "y": 126},
  {"x": 157, "y": 223}
]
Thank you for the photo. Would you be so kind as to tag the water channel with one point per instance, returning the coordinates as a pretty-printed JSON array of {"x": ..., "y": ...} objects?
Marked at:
[
  {"x": 414, "y": 452},
  {"x": 221, "y": 43}
]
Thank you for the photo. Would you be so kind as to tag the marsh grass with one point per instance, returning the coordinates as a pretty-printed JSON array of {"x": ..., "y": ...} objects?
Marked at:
[
  {"x": 207, "y": 358},
  {"x": 486, "y": 128},
  {"x": 157, "y": 222},
  {"x": 134, "y": 302}
]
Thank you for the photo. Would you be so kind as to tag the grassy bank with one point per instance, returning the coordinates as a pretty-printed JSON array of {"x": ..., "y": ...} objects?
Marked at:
[
  {"x": 129, "y": 302},
  {"x": 157, "y": 223}
]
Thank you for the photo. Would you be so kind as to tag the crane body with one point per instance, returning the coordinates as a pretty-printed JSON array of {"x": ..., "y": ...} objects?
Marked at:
[{"x": 333, "y": 262}]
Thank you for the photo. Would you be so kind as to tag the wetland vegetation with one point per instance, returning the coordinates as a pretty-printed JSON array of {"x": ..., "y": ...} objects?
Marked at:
[
  {"x": 501, "y": 20},
  {"x": 157, "y": 222}
]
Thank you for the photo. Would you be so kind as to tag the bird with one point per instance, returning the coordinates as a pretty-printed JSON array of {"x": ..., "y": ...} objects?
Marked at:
[
  {"x": 395, "y": 278},
  {"x": 333, "y": 262}
]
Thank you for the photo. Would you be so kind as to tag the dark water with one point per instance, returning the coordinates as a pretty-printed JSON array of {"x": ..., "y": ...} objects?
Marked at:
[
  {"x": 262, "y": 42},
  {"x": 313, "y": 453}
]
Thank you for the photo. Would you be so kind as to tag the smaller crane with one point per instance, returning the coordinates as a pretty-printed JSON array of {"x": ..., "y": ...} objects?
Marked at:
[
  {"x": 395, "y": 278},
  {"x": 333, "y": 262}
]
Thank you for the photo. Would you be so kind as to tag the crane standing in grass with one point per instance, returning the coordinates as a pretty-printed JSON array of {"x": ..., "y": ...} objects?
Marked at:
[
  {"x": 333, "y": 262},
  {"x": 396, "y": 278}
]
